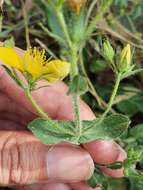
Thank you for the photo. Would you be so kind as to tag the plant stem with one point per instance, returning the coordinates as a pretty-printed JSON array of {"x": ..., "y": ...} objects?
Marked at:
[
  {"x": 35, "y": 105},
  {"x": 76, "y": 103},
  {"x": 49, "y": 33},
  {"x": 76, "y": 97},
  {"x": 92, "y": 90},
  {"x": 90, "y": 11},
  {"x": 104, "y": 7},
  {"x": 116, "y": 86},
  {"x": 64, "y": 27},
  {"x": 74, "y": 70},
  {"x": 26, "y": 24}
]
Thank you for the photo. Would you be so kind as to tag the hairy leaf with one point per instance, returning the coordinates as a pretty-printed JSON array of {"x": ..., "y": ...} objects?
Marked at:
[
  {"x": 52, "y": 132},
  {"x": 78, "y": 85}
]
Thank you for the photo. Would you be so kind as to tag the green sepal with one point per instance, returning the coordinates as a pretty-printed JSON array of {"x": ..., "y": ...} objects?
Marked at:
[{"x": 9, "y": 43}]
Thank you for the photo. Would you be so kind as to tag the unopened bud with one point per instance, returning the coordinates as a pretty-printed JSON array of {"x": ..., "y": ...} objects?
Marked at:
[
  {"x": 108, "y": 51},
  {"x": 125, "y": 58}
]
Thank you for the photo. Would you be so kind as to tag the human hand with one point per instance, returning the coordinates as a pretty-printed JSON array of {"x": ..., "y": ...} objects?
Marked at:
[{"x": 24, "y": 160}]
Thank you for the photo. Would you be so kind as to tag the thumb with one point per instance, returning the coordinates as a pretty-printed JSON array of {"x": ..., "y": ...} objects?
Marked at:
[{"x": 24, "y": 160}]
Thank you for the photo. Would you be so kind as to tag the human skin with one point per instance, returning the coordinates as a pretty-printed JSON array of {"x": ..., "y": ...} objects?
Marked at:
[{"x": 25, "y": 160}]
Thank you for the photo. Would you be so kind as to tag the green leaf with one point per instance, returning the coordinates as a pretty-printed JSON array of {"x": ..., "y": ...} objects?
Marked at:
[
  {"x": 137, "y": 132},
  {"x": 131, "y": 73},
  {"x": 132, "y": 105},
  {"x": 110, "y": 128},
  {"x": 78, "y": 85},
  {"x": 53, "y": 132},
  {"x": 118, "y": 184},
  {"x": 134, "y": 155},
  {"x": 9, "y": 43},
  {"x": 127, "y": 107},
  {"x": 97, "y": 178},
  {"x": 76, "y": 26},
  {"x": 98, "y": 65},
  {"x": 51, "y": 18},
  {"x": 115, "y": 166}
]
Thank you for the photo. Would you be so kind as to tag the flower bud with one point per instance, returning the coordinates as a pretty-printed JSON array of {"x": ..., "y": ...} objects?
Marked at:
[
  {"x": 76, "y": 5},
  {"x": 108, "y": 51},
  {"x": 125, "y": 59}
]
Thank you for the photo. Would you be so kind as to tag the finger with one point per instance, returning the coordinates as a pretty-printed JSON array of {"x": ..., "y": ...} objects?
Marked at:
[
  {"x": 24, "y": 160},
  {"x": 52, "y": 99},
  {"x": 12, "y": 111},
  {"x": 119, "y": 172},
  {"x": 103, "y": 151},
  {"x": 52, "y": 186},
  {"x": 82, "y": 186},
  {"x": 10, "y": 125}
]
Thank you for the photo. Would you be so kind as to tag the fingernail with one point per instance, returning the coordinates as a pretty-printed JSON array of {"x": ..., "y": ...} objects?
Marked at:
[{"x": 69, "y": 163}]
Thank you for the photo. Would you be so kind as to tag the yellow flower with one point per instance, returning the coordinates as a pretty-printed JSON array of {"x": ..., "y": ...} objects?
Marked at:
[
  {"x": 126, "y": 55},
  {"x": 34, "y": 62},
  {"x": 76, "y": 4}
]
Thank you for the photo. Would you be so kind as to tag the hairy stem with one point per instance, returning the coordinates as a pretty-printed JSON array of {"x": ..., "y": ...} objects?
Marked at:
[
  {"x": 74, "y": 70},
  {"x": 35, "y": 105},
  {"x": 92, "y": 90},
  {"x": 76, "y": 97},
  {"x": 113, "y": 95}
]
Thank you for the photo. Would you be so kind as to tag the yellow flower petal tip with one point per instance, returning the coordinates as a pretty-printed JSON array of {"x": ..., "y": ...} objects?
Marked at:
[
  {"x": 57, "y": 70},
  {"x": 9, "y": 57}
]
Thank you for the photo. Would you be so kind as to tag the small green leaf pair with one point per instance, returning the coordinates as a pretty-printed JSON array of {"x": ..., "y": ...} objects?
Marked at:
[{"x": 53, "y": 132}]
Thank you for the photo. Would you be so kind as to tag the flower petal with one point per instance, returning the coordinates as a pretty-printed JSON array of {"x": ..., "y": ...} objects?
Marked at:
[
  {"x": 56, "y": 70},
  {"x": 9, "y": 57}
]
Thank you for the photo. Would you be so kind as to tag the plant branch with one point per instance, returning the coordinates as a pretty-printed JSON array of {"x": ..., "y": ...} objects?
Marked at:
[
  {"x": 92, "y": 90},
  {"x": 26, "y": 24},
  {"x": 47, "y": 31},
  {"x": 64, "y": 27},
  {"x": 104, "y": 7},
  {"x": 35, "y": 105},
  {"x": 90, "y": 11},
  {"x": 113, "y": 95},
  {"x": 76, "y": 97}
]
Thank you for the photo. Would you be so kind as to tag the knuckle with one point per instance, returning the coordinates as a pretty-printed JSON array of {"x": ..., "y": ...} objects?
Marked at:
[
  {"x": 22, "y": 159},
  {"x": 10, "y": 164}
]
